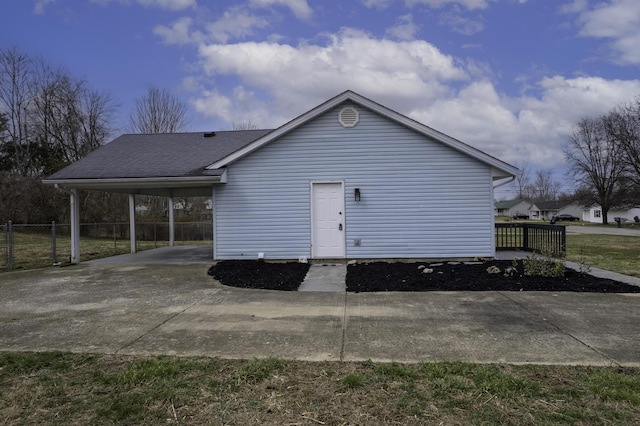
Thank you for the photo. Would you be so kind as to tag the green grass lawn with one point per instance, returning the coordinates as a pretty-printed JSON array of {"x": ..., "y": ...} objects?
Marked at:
[
  {"x": 61, "y": 388},
  {"x": 611, "y": 252}
]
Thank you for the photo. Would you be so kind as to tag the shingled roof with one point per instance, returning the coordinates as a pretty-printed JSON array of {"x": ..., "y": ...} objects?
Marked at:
[{"x": 158, "y": 155}]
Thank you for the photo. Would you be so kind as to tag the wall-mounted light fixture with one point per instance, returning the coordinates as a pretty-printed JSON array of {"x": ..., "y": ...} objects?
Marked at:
[{"x": 356, "y": 194}]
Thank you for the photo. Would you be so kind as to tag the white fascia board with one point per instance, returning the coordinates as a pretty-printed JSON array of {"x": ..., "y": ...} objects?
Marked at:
[
  {"x": 119, "y": 183},
  {"x": 500, "y": 169},
  {"x": 282, "y": 130}
]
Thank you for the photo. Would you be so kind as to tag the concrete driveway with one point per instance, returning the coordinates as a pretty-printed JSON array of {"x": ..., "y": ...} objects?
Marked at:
[
  {"x": 603, "y": 230},
  {"x": 176, "y": 309}
]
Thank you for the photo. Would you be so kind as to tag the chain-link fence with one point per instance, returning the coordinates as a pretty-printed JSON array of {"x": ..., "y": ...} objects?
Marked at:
[
  {"x": 39, "y": 245},
  {"x": 6, "y": 246}
]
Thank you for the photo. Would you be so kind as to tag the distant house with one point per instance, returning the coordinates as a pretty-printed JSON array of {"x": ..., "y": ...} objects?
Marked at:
[
  {"x": 594, "y": 214},
  {"x": 548, "y": 209},
  {"x": 348, "y": 179},
  {"x": 514, "y": 208}
]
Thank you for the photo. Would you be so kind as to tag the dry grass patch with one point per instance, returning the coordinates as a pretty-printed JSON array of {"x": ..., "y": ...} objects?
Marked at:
[
  {"x": 34, "y": 250},
  {"x": 60, "y": 388}
]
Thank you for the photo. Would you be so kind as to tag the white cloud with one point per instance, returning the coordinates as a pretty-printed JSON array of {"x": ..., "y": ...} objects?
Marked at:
[
  {"x": 575, "y": 6},
  {"x": 178, "y": 33},
  {"x": 377, "y": 4},
  {"x": 162, "y": 4},
  {"x": 290, "y": 79},
  {"x": 275, "y": 82},
  {"x": 235, "y": 23},
  {"x": 615, "y": 20},
  {"x": 169, "y": 4},
  {"x": 525, "y": 129},
  {"x": 300, "y": 8},
  {"x": 405, "y": 28},
  {"x": 461, "y": 24},
  {"x": 38, "y": 8},
  {"x": 469, "y": 4},
  {"x": 212, "y": 104}
]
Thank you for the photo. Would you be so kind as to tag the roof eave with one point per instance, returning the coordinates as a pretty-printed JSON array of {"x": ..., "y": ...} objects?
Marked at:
[
  {"x": 152, "y": 182},
  {"x": 500, "y": 168},
  {"x": 286, "y": 128}
]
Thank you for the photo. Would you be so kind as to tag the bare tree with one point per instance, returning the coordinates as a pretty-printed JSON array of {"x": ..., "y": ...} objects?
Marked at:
[
  {"x": 53, "y": 119},
  {"x": 545, "y": 186},
  {"x": 48, "y": 120},
  {"x": 69, "y": 119},
  {"x": 15, "y": 80},
  {"x": 624, "y": 125},
  {"x": 522, "y": 180},
  {"x": 158, "y": 111},
  {"x": 596, "y": 164},
  {"x": 245, "y": 125}
]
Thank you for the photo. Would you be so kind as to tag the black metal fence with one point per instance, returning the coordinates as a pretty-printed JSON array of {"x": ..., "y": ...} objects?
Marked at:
[
  {"x": 39, "y": 245},
  {"x": 546, "y": 239}
]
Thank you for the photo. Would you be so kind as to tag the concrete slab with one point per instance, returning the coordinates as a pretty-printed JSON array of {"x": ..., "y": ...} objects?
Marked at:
[
  {"x": 177, "y": 309},
  {"x": 482, "y": 327},
  {"x": 175, "y": 254},
  {"x": 329, "y": 277},
  {"x": 93, "y": 308},
  {"x": 608, "y": 324},
  {"x": 240, "y": 323},
  {"x": 604, "y": 230}
]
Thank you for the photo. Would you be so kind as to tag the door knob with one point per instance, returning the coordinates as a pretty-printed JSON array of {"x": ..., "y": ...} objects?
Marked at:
[{"x": 340, "y": 227}]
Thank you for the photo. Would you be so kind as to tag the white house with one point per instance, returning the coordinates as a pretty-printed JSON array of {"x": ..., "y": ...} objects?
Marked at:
[
  {"x": 548, "y": 209},
  {"x": 594, "y": 214},
  {"x": 348, "y": 179},
  {"x": 516, "y": 208}
]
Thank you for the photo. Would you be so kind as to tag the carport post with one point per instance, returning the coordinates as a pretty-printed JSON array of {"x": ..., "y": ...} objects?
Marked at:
[
  {"x": 172, "y": 234},
  {"x": 75, "y": 226},
  {"x": 132, "y": 221}
]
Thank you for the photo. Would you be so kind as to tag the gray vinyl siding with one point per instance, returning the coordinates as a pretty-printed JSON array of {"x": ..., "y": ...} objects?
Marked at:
[{"x": 420, "y": 198}]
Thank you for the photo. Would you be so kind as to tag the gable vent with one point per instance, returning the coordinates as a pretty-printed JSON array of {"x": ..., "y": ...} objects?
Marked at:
[{"x": 348, "y": 117}]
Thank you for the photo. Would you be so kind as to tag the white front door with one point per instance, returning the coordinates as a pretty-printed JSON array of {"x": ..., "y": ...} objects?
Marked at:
[{"x": 327, "y": 216}]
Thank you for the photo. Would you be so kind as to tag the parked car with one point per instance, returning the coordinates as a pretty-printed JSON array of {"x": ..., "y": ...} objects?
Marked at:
[
  {"x": 564, "y": 217},
  {"x": 520, "y": 216}
]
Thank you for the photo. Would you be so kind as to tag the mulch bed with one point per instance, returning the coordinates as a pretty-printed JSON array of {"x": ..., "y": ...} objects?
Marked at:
[
  {"x": 259, "y": 274},
  {"x": 382, "y": 276},
  {"x": 398, "y": 276}
]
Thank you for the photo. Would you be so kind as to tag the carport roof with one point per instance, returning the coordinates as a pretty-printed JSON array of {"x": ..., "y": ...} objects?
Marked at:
[
  {"x": 135, "y": 156},
  {"x": 164, "y": 164}
]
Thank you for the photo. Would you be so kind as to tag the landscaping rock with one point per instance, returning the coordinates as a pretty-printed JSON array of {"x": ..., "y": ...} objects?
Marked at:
[{"x": 493, "y": 270}]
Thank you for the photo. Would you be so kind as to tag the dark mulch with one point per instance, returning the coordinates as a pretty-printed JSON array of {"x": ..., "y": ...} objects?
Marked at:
[
  {"x": 397, "y": 276},
  {"x": 258, "y": 274},
  {"x": 382, "y": 276}
]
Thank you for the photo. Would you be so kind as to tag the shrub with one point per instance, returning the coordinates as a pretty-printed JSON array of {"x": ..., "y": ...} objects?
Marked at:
[{"x": 543, "y": 265}]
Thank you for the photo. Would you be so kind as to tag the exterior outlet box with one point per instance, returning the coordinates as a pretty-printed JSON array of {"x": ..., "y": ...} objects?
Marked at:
[
  {"x": 260, "y": 255},
  {"x": 357, "y": 242}
]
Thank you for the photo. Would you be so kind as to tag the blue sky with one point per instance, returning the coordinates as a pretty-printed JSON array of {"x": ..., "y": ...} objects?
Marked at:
[{"x": 510, "y": 77}]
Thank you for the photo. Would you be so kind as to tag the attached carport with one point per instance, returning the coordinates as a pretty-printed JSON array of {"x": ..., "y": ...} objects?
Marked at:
[
  {"x": 163, "y": 187},
  {"x": 167, "y": 165}
]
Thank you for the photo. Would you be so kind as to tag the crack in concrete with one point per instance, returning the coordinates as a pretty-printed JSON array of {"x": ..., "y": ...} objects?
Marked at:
[
  {"x": 560, "y": 329},
  {"x": 137, "y": 339},
  {"x": 344, "y": 327}
]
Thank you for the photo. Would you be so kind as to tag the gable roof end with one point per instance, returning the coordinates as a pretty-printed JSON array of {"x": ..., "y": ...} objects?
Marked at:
[{"x": 500, "y": 169}]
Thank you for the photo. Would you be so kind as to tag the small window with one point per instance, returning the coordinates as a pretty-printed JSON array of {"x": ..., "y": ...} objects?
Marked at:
[{"x": 597, "y": 213}]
